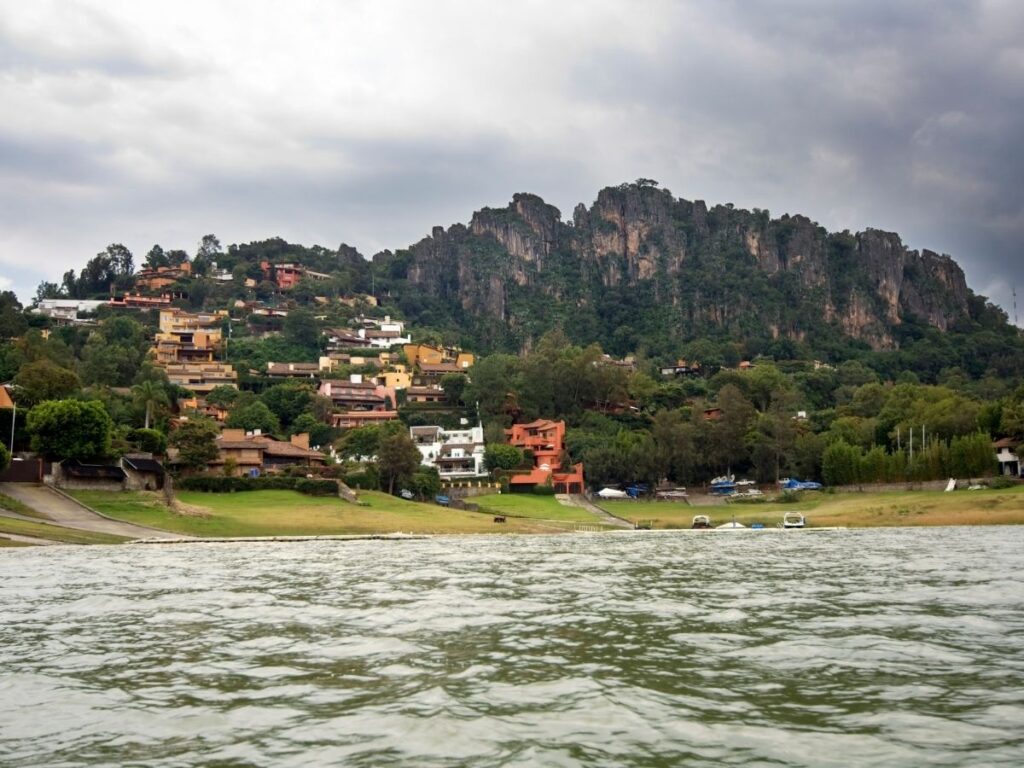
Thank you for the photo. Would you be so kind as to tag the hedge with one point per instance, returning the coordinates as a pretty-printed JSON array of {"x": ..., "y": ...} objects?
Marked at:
[{"x": 215, "y": 484}]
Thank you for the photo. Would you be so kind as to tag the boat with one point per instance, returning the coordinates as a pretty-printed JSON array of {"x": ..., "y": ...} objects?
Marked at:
[
  {"x": 701, "y": 522},
  {"x": 673, "y": 493},
  {"x": 723, "y": 485},
  {"x": 612, "y": 493},
  {"x": 793, "y": 484},
  {"x": 794, "y": 520},
  {"x": 732, "y": 525}
]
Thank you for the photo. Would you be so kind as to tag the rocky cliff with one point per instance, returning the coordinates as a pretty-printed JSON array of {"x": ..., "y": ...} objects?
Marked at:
[{"x": 639, "y": 262}]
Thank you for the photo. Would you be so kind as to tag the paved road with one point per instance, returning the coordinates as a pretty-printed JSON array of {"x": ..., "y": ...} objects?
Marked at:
[
  {"x": 70, "y": 514},
  {"x": 578, "y": 500}
]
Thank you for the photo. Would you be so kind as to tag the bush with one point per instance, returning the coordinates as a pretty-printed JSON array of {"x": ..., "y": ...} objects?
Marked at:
[
  {"x": 149, "y": 440},
  {"x": 788, "y": 497},
  {"x": 1001, "y": 482},
  {"x": 365, "y": 479},
  {"x": 215, "y": 484},
  {"x": 544, "y": 490}
]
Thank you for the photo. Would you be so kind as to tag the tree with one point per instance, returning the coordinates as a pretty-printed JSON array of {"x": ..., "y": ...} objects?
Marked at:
[
  {"x": 288, "y": 399},
  {"x": 222, "y": 396},
  {"x": 5, "y": 457},
  {"x": 196, "y": 441},
  {"x": 727, "y": 435},
  {"x": 12, "y": 319},
  {"x": 209, "y": 248},
  {"x": 149, "y": 440},
  {"x": 44, "y": 380},
  {"x": 300, "y": 329},
  {"x": 47, "y": 290},
  {"x": 252, "y": 416},
  {"x": 319, "y": 432},
  {"x": 70, "y": 429},
  {"x": 502, "y": 456},
  {"x": 453, "y": 384},
  {"x": 840, "y": 464},
  {"x": 149, "y": 394},
  {"x": 156, "y": 258},
  {"x": 397, "y": 459}
]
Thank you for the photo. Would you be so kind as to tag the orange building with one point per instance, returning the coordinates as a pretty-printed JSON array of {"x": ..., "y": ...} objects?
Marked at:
[{"x": 546, "y": 439}]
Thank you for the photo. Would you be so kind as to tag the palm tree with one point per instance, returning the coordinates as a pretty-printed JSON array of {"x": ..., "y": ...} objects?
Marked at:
[{"x": 149, "y": 394}]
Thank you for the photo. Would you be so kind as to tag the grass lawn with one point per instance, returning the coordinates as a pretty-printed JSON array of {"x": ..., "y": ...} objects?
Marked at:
[
  {"x": 853, "y": 510},
  {"x": 289, "y": 513},
  {"x": 13, "y": 505},
  {"x": 8, "y": 543},
  {"x": 531, "y": 506},
  {"x": 56, "y": 532}
]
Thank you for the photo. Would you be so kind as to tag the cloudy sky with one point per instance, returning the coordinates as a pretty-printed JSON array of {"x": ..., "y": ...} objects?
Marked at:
[{"x": 370, "y": 122}]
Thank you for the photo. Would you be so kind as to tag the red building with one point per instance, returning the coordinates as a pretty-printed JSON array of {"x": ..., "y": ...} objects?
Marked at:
[{"x": 546, "y": 439}]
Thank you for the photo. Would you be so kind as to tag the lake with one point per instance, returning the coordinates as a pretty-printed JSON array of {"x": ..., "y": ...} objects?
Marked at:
[{"x": 878, "y": 647}]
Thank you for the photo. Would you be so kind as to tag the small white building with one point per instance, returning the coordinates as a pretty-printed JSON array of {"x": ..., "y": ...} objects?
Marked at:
[
  {"x": 1009, "y": 462},
  {"x": 67, "y": 309},
  {"x": 458, "y": 454}
]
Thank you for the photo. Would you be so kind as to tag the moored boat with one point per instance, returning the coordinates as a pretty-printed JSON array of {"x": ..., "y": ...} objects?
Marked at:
[
  {"x": 794, "y": 520},
  {"x": 701, "y": 522}
]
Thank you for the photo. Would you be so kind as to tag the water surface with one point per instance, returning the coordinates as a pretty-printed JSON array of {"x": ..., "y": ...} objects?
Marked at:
[{"x": 878, "y": 647}]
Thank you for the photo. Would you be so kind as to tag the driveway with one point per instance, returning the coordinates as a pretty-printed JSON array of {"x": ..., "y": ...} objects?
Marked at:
[{"x": 64, "y": 511}]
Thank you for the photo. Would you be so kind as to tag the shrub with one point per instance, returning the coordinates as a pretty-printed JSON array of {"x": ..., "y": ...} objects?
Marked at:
[
  {"x": 216, "y": 484},
  {"x": 149, "y": 440}
]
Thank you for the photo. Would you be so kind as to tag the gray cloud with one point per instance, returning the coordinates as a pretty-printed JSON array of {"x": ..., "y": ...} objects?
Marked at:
[{"x": 370, "y": 123}]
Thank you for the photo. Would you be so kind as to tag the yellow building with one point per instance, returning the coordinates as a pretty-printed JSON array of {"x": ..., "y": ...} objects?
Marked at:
[
  {"x": 186, "y": 347},
  {"x": 399, "y": 378}
]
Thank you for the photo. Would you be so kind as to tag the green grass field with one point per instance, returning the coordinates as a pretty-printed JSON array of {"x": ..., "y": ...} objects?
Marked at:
[
  {"x": 853, "y": 510},
  {"x": 8, "y": 543},
  {"x": 56, "y": 532},
  {"x": 288, "y": 513},
  {"x": 531, "y": 506}
]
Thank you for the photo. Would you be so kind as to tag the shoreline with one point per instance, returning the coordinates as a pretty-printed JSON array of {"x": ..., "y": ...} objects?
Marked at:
[{"x": 284, "y": 516}]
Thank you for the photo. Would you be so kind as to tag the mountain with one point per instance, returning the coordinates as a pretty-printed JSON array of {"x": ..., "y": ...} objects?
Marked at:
[{"x": 641, "y": 268}]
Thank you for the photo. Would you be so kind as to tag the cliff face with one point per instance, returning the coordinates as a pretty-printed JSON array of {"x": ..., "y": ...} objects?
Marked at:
[{"x": 722, "y": 269}]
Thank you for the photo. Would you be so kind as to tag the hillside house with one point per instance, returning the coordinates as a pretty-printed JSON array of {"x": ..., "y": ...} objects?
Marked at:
[
  {"x": 546, "y": 439},
  {"x": 357, "y": 394},
  {"x": 286, "y": 276},
  {"x": 426, "y": 395},
  {"x": 162, "y": 277},
  {"x": 249, "y": 451},
  {"x": 458, "y": 454}
]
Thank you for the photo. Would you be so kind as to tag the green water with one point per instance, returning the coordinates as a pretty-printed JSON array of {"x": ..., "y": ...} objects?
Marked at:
[{"x": 885, "y": 647}]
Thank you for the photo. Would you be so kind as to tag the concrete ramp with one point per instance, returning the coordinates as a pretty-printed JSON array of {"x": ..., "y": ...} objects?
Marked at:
[
  {"x": 65, "y": 511},
  {"x": 582, "y": 502}
]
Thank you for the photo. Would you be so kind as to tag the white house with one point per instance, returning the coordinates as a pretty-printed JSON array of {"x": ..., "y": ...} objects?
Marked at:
[
  {"x": 1009, "y": 462},
  {"x": 67, "y": 309},
  {"x": 458, "y": 454}
]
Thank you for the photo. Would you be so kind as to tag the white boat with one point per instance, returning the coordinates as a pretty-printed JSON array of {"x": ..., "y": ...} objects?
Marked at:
[
  {"x": 794, "y": 520},
  {"x": 701, "y": 522},
  {"x": 612, "y": 493},
  {"x": 730, "y": 526}
]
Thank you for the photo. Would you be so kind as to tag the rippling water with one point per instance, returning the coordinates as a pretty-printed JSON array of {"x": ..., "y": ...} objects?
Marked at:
[{"x": 884, "y": 647}]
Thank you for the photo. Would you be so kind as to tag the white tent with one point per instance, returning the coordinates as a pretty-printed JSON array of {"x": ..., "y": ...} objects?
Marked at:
[{"x": 611, "y": 493}]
